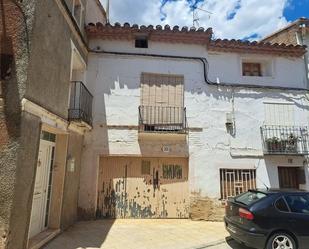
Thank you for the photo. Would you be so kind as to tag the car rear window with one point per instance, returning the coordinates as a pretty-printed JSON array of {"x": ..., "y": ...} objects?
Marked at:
[
  {"x": 250, "y": 197},
  {"x": 298, "y": 203}
]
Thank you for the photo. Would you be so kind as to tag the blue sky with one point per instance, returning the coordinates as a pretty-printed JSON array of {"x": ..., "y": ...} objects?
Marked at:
[
  {"x": 232, "y": 19},
  {"x": 296, "y": 9}
]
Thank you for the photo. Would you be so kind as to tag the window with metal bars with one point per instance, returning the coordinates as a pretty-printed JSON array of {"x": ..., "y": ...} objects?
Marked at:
[{"x": 236, "y": 181}]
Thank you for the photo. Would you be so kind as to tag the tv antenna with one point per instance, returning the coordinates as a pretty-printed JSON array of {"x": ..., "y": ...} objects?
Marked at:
[
  {"x": 107, "y": 12},
  {"x": 195, "y": 16}
]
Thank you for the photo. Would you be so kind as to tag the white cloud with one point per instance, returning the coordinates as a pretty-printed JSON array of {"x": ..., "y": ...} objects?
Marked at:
[{"x": 250, "y": 17}]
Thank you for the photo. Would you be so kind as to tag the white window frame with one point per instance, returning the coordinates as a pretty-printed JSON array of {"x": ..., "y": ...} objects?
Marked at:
[{"x": 79, "y": 22}]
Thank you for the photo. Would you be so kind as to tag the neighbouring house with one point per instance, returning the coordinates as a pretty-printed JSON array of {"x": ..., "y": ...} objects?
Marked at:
[
  {"x": 296, "y": 33},
  {"x": 182, "y": 121},
  {"x": 45, "y": 109}
]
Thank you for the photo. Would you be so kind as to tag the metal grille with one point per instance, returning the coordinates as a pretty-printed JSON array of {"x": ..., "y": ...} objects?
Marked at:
[
  {"x": 291, "y": 140},
  {"x": 236, "y": 181},
  {"x": 80, "y": 103},
  {"x": 162, "y": 119}
]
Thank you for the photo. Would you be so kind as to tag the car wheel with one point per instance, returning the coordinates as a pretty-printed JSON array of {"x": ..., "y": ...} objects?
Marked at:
[{"x": 281, "y": 241}]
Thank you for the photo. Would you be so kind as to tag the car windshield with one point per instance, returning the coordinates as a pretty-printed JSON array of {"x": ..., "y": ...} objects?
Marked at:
[{"x": 250, "y": 197}]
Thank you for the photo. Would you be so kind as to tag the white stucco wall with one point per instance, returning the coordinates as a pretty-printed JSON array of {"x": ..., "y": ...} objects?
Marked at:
[{"x": 115, "y": 80}]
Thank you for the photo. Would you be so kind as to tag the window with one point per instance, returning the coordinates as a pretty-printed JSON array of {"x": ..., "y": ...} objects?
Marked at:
[
  {"x": 78, "y": 11},
  {"x": 47, "y": 136},
  {"x": 141, "y": 42},
  {"x": 162, "y": 90},
  {"x": 281, "y": 205},
  {"x": 279, "y": 114},
  {"x": 250, "y": 197},
  {"x": 236, "y": 181},
  {"x": 145, "y": 167},
  {"x": 298, "y": 203},
  {"x": 162, "y": 99},
  {"x": 172, "y": 171},
  {"x": 251, "y": 69}
]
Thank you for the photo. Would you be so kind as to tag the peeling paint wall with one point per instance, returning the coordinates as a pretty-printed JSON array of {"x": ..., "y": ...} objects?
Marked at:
[
  {"x": 127, "y": 191},
  {"x": 115, "y": 82}
]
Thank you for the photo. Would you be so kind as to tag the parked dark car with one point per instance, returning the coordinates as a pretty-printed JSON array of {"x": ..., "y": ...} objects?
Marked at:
[{"x": 269, "y": 219}]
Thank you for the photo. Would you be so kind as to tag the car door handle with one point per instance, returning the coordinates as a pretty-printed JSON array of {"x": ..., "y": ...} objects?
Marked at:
[{"x": 292, "y": 220}]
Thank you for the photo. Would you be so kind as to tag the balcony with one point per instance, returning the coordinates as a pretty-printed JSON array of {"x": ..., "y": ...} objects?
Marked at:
[
  {"x": 162, "y": 119},
  {"x": 285, "y": 140},
  {"x": 80, "y": 103}
]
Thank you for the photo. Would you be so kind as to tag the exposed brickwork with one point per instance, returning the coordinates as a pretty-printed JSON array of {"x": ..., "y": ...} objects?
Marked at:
[{"x": 11, "y": 29}]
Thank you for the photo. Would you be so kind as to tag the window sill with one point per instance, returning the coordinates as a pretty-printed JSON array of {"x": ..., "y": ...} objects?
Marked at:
[{"x": 257, "y": 77}]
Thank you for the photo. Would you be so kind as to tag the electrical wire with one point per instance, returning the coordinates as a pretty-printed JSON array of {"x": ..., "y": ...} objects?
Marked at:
[{"x": 205, "y": 63}]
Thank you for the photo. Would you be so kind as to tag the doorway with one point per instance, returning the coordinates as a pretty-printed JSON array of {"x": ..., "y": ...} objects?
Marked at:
[
  {"x": 288, "y": 177},
  {"x": 43, "y": 184}
]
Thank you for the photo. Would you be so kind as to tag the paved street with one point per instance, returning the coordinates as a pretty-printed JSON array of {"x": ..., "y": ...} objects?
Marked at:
[
  {"x": 230, "y": 244},
  {"x": 144, "y": 234}
]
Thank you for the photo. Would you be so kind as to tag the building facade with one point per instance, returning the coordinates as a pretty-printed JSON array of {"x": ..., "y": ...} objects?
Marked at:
[
  {"x": 45, "y": 109},
  {"x": 138, "y": 122},
  {"x": 296, "y": 33},
  {"x": 182, "y": 121}
]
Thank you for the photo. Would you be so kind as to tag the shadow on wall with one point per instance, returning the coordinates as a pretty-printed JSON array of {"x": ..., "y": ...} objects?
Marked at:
[
  {"x": 123, "y": 81},
  {"x": 155, "y": 147},
  {"x": 83, "y": 235},
  {"x": 94, "y": 139}
]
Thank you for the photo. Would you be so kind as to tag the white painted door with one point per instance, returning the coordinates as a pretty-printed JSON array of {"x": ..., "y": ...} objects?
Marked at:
[{"x": 40, "y": 194}]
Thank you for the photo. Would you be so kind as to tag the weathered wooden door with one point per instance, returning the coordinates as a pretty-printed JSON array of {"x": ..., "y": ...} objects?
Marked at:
[
  {"x": 288, "y": 177},
  {"x": 39, "y": 211},
  {"x": 143, "y": 187}
]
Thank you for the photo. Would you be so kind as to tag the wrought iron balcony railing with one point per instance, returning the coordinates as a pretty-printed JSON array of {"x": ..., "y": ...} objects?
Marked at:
[
  {"x": 166, "y": 119},
  {"x": 80, "y": 103},
  {"x": 285, "y": 140}
]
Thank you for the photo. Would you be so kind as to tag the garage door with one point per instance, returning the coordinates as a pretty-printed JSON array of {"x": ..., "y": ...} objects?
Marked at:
[{"x": 143, "y": 187}]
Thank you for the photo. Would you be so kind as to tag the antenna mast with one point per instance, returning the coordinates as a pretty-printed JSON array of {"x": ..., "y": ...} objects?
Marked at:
[
  {"x": 196, "y": 18},
  {"x": 107, "y": 11}
]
